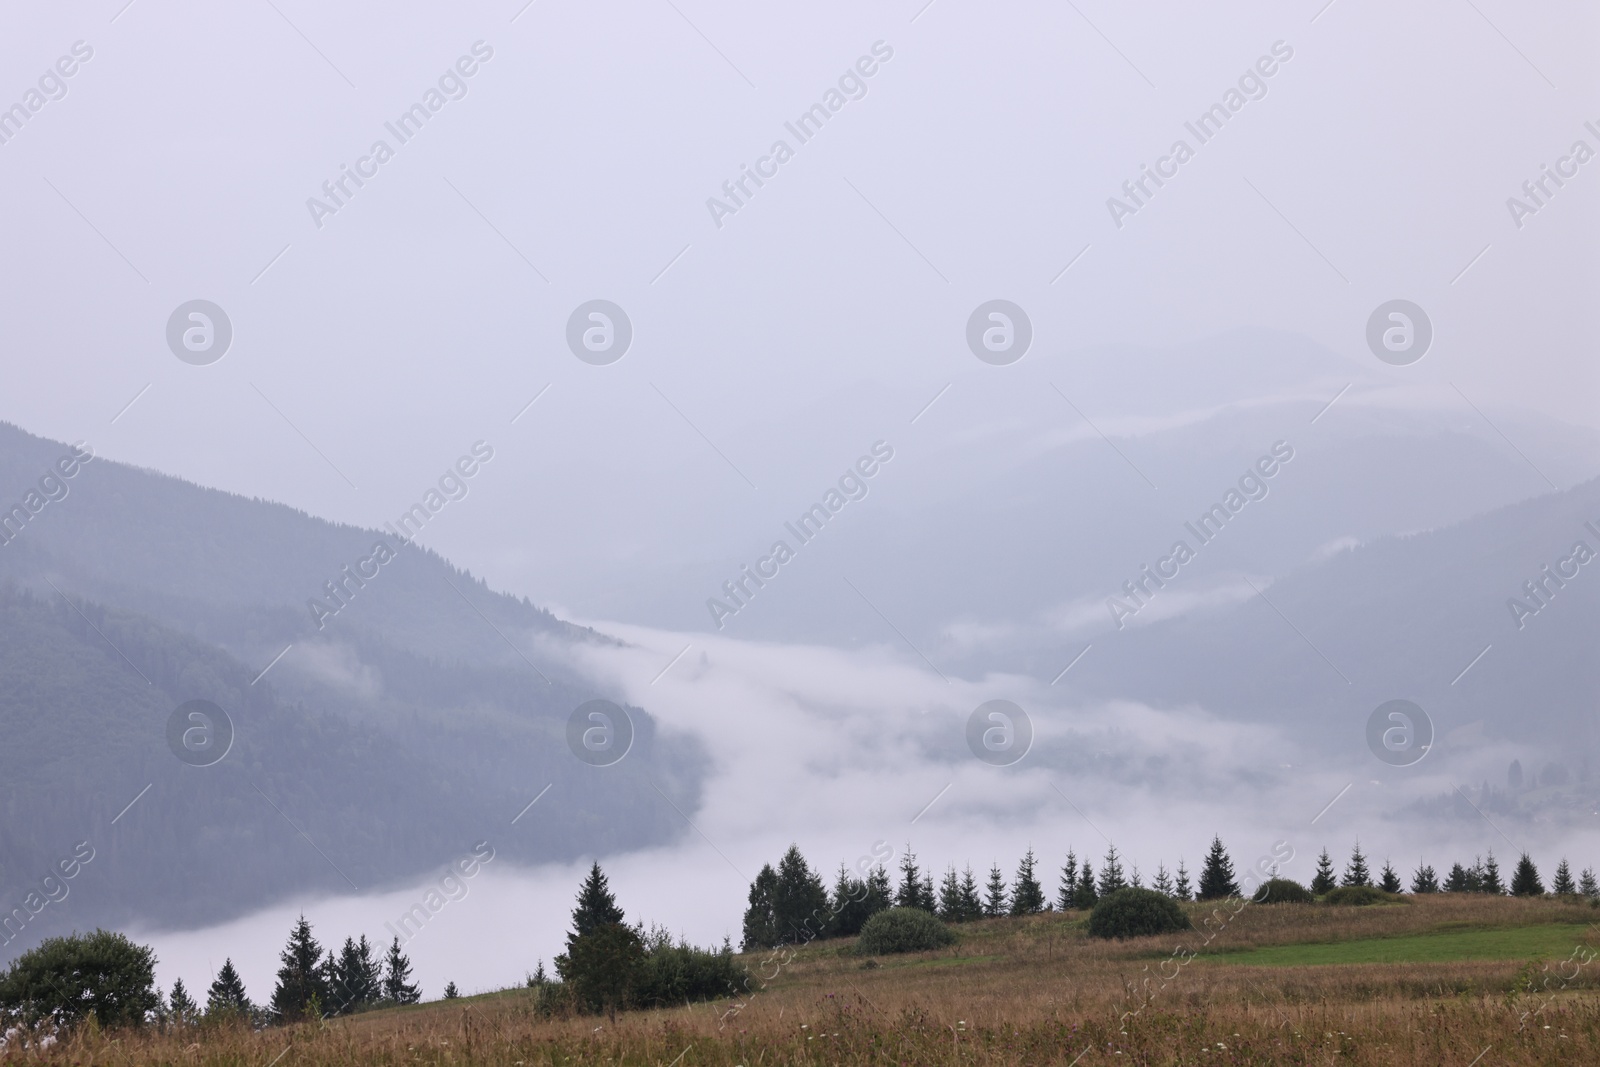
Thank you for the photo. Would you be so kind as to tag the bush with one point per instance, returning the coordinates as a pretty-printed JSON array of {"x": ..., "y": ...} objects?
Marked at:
[
  {"x": 1136, "y": 913},
  {"x": 671, "y": 974},
  {"x": 70, "y": 978},
  {"x": 902, "y": 930},
  {"x": 1362, "y": 895},
  {"x": 1284, "y": 891}
]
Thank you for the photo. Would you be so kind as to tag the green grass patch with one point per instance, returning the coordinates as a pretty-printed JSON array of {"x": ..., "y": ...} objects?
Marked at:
[{"x": 1550, "y": 940}]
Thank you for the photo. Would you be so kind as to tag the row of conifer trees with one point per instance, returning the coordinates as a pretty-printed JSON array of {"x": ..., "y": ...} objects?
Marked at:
[{"x": 789, "y": 904}]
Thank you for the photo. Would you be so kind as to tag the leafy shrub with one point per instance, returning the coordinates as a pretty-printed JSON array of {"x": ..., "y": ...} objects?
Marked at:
[
  {"x": 1136, "y": 913},
  {"x": 1362, "y": 895},
  {"x": 903, "y": 930},
  {"x": 672, "y": 973},
  {"x": 70, "y": 978},
  {"x": 1284, "y": 891}
]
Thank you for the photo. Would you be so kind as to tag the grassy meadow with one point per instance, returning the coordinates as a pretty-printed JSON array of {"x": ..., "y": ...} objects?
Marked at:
[{"x": 1443, "y": 979}]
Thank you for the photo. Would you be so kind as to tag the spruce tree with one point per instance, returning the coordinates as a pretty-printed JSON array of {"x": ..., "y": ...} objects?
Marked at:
[
  {"x": 848, "y": 904},
  {"x": 1134, "y": 878},
  {"x": 1027, "y": 896},
  {"x": 596, "y": 906},
  {"x": 354, "y": 978},
  {"x": 227, "y": 996},
  {"x": 302, "y": 989},
  {"x": 879, "y": 895},
  {"x": 1456, "y": 880},
  {"x": 800, "y": 903},
  {"x": 1562, "y": 885},
  {"x": 1216, "y": 877},
  {"x": 1588, "y": 885},
  {"x": 760, "y": 923},
  {"x": 397, "y": 986},
  {"x": 910, "y": 893},
  {"x": 994, "y": 903},
  {"x": 1390, "y": 881},
  {"x": 1163, "y": 882},
  {"x": 1085, "y": 897},
  {"x": 1490, "y": 881},
  {"x": 950, "y": 896},
  {"x": 1181, "y": 889},
  {"x": 1356, "y": 873},
  {"x": 1069, "y": 883},
  {"x": 184, "y": 1010},
  {"x": 971, "y": 902},
  {"x": 1111, "y": 878},
  {"x": 1425, "y": 880},
  {"x": 1525, "y": 879},
  {"x": 450, "y": 991},
  {"x": 1323, "y": 882}
]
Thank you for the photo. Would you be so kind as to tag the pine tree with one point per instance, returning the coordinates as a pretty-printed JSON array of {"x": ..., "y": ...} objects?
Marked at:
[
  {"x": 1562, "y": 885},
  {"x": 971, "y": 902},
  {"x": 227, "y": 996},
  {"x": 1588, "y": 885},
  {"x": 397, "y": 987},
  {"x": 1216, "y": 877},
  {"x": 1456, "y": 880},
  {"x": 1490, "y": 879},
  {"x": 1069, "y": 883},
  {"x": 1181, "y": 889},
  {"x": 184, "y": 1010},
  {"x": 1133, "y": 877},
  {"x": 910, "y": 893},
  {"x": 1525, "y": 879},
  {"x": 879, "y": 895},
  {"x": 1323, "y": 882},
  {"x": 302, "y": 990},
  {"x": 1027, "y": 896},
  {"x": 799, "y": 903},
  {"x": 1111, "y": 878},
  {"x": 1085, "y": 897},
  {"x": 1390, "y": 881},
  {"x": 450, "y": 991},
  {"x": 596, "y": 906},
  {"x": 1425, "y": 880},
  {"x": 994, "y": 903},
  {"x": 354, "y": 978},
  {"x": 950, "y": 896},
  {"x": 1356, "y": 872},
  {"x": 851, "y": 904},
  {"x": 760, "y": 924},
  {"x": 1163, "y": 882}
]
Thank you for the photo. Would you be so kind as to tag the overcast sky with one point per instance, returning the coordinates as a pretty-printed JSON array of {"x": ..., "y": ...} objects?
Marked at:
[{"x": 376, "y": 335}]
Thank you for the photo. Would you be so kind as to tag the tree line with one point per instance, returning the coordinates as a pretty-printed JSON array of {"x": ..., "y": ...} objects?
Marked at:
[{"x": 789, "y": 904}]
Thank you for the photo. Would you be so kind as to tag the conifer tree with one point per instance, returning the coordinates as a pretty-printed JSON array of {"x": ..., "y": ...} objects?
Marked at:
[
  {"x": 1133, "y": 877},
  {"x": 302, "y": 989},
  {"x": 1562, "y": 885},
  {"x": 1069, "y": 883},
  {"x": 397, "y": 985},
  {"x": 879, "y": 895},
  {"x": 1216, "y": 877},
  {"x": 184, "y": 1010},
  {"x": 1323, "y": 882},
  {"x": 1425, "y": 880},
  {"x": 1027, "y": 896},
  {"x": 848, "y": 905},
  {"x": 227, "y": 996},
  {"x": 1111, "y": 878},
  {"x": 1588, "y": 885},
  {"x": 994, "y": 903},
  {"x": 596, "y": 906},
  {"x": 1181, "y": 889},
  {"x": 971, "y": 902},
  {"x": 354, "y": 978},
  {"x": 1085, "y": 897},
  {"x": 450, "y": 991},
  {"x": 1163, "y": 882},
  {"x": 1490, "y": 879},
  {"x": 760, "y": 923},
  {"x": 800, "y": 903},
  {"x": 1456, "y": 880},
  {"x": 1390, "y": 881},
  {"x": 1525, "y": 879},
  {"x": 1356, "y": 873},
  {"x": 950, "y": 896},
  {"x": 912, "y": 887}
]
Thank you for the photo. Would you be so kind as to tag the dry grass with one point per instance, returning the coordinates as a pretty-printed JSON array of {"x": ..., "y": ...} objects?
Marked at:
[{"x": 1012, "y": 992}]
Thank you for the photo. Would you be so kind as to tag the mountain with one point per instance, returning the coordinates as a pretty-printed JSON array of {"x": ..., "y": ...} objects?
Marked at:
[{"x": 419, "y": 719}]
